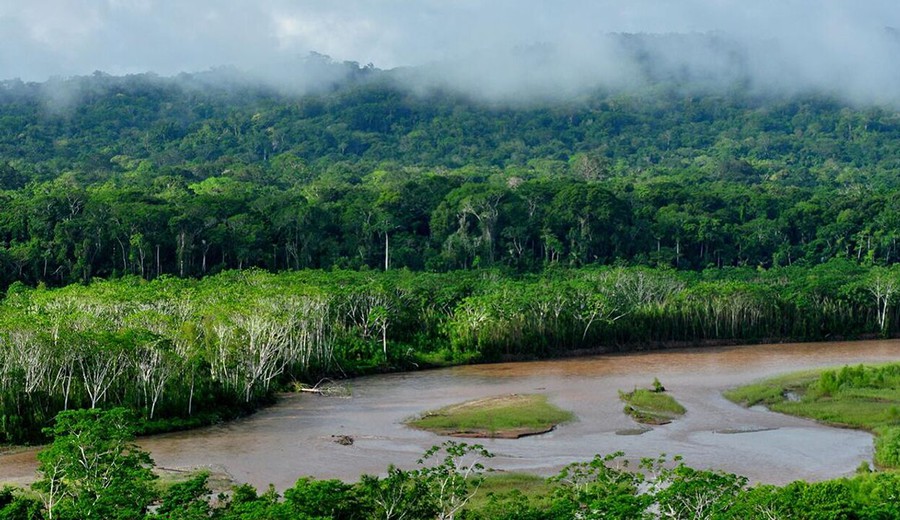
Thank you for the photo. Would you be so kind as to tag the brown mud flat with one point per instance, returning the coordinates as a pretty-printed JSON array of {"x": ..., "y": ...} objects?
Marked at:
[
  {"x": 738, "y": 431},
  {"x": 633, "y": 431},
  {"x": 648, "y": 418},
  {"x": 14, "y": 449},
  {"x": 218, "y": 480},
  {"x": 517, "y": 433}
]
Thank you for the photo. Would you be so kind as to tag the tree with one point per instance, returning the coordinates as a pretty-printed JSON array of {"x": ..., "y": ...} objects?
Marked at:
[
  {"x": 186, "y": 500},
  {"x": 471, "y": 208},
  {"x": 686, "y": 493},
  {"x": 453, "y": 481},
  {"x": 16, "y": 506},
  {"x": 883, "y": 285},
  {"x": 155, "y": 365},
  {"x": 313, "y": 499},
  {"x": 401, "y": 495},
  {"x": 93, "y": 470},
  {"x": 601, "y": 488},
  {"x": 101, "y": 360},
  {"x": 591, "y": 219}
]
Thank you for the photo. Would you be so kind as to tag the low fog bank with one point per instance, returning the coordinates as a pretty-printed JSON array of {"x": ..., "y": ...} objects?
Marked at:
[
  {"x": 548, "y": 72},
  {"x": 695, "y": 62},
  {"x": 502, "y": 50}
]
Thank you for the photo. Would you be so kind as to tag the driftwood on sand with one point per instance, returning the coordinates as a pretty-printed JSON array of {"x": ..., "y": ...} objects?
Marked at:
[{"x": 327, "y": 388}]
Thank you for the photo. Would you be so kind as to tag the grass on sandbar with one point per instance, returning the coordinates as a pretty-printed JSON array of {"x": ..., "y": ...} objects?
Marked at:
[
  {"x": 651, "y": 406},
  {"x": 502, "y": 484},
  {"x": 861, "y": 397},
  {"x": 774, "y": 390},
  {"x": 506, "y": 416}
]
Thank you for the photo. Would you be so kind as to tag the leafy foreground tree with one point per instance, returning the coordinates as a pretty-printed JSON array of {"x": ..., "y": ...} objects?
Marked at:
[
  {"x": 606, "y": 487},
  {"x": 93, "y": 470},
  {"x": 448, "y": 477},
  {"x": 14, "y": 506}
]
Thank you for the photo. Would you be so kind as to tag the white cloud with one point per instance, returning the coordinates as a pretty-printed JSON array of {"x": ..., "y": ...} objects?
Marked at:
[
  {"x": 58, "y": 26},
  {"x": 790, "y": 43}
]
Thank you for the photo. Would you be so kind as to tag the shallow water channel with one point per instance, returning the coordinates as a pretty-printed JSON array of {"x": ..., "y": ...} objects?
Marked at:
[{"x": 295, "y": 437}]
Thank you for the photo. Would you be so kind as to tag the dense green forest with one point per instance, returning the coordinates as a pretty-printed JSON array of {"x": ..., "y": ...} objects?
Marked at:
[{"x": 105, "y": 176}]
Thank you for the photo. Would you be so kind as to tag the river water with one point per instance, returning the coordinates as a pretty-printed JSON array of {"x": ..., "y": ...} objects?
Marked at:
[{"x": 295, "y": 437}]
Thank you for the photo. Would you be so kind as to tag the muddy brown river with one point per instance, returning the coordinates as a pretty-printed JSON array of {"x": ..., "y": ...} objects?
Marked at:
[{"x": 295, "y": 437}]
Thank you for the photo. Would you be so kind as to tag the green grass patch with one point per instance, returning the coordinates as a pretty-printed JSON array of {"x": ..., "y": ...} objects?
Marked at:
[
  {"x": 861, "y": 397},
  {"x": 506, "y": 416},
  {"x": 771, "y": 391},
  {"x": 503, "y": 484},
  {"x": 651, "y": 407}
]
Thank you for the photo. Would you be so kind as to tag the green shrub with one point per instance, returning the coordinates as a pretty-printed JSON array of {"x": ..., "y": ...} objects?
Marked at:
[{"x": 887, "y": 448}]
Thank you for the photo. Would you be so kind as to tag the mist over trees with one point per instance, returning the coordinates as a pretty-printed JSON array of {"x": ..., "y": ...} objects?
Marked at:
[
  {"x": 501, "y": 50},
  {"x": 109, "y": 176}
]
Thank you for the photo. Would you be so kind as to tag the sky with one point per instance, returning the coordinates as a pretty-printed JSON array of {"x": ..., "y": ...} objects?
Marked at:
[{"x": 484, "y": 45}]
